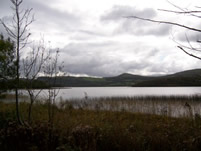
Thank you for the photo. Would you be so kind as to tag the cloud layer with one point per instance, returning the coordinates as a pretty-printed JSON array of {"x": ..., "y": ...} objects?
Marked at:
[{"x": 106, "y": 42}]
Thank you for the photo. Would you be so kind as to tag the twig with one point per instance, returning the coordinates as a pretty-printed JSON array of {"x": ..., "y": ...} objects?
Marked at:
[
  {"x": 165, "y": 22},
  {"x": 189, "y": 53}
]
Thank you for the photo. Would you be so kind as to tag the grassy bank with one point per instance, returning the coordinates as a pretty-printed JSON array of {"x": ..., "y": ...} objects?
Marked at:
[{"x": 79, "y": 129}]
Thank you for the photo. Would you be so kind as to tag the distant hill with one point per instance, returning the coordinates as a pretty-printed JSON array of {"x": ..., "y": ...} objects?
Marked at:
[
  {"x": 127, "y": 79},
  {"x": 185, "y": 78},
  {"x": 121, "y": 80}
]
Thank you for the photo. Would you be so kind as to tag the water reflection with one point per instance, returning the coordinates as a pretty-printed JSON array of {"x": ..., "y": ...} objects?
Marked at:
[{"x": 81, "y": 92}]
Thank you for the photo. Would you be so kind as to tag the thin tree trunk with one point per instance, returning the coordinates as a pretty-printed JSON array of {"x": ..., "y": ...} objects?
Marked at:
[
  {"x": 30, "y": 111},
  {"x": 18, "y": 58},
  {"x": 17, "y": 106}
]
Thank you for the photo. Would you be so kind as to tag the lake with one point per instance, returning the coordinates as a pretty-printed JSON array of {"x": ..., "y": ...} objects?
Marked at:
[
  {"x": 96, "y": 92},
  {"x": 81, "y": 92}
]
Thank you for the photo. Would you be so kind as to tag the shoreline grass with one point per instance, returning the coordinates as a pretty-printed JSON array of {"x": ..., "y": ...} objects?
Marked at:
[
  {"x": 102, "y": 124},
  {"x": 95, "y": 130},
  {"x": 174, "y": 106}
]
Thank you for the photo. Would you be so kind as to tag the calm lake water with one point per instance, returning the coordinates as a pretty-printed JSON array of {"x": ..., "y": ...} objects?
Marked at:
[{"x": 81, "y": 92}]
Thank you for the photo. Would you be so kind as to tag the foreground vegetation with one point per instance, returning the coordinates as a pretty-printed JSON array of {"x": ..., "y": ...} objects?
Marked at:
[{"x": 78, "y": 129}]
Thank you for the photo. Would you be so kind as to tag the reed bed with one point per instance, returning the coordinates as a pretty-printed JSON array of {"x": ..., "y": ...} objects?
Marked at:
[
  {"x": 174, "y": 106},
  {"x": 10, "y": 97},
  {"x": 101, "y": 124}
]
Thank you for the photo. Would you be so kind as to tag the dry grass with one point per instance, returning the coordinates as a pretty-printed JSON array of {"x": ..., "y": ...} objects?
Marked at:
[
  {"x": 174, "y": 106},
  {"x": 85, "y": 126}
]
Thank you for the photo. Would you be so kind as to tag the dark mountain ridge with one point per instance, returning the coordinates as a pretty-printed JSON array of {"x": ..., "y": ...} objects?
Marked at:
[{"x": 184, "y": 78}]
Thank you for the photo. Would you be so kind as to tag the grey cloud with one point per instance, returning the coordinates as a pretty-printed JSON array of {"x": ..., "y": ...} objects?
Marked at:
[
  {"x": 4, "y": 11},
  {"x": 46, "y": 16},
  {"x": 88, "y": 32},
  {"x": 168, "y": 61},
  {"x": 98, "y": 60},
  {"x": 90, "y": 64},
  {"x": 190, "y": 36},
  {"x": 170, "y": 67},
  {"x": 152, "y": 53},
  {"x": 74, "y": 49},
  {"x": 103, "y": 59},
  {"x": 117, "y": 15},
  {"x": 2, "y": 29},
  {"x": 94, "y": 67},
  {"x": 120, "y": 12},
  {"x": 93, "y": 53},
  {"x": 141, "y": 28},
  {"x": 82, "y": 35},
  {"x": 158, "y": 30},
  {"x": 103, "y": 66}
]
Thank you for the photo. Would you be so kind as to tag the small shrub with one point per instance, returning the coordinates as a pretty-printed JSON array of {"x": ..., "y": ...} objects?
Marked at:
[{"x": 84, "y": 137}]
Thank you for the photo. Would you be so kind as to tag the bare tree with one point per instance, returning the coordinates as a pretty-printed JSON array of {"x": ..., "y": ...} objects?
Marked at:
[
  {"x": 18, "y": 30},
  {"x": 52, "y": 70},
  {"x": 188, "y": 48},
  {"x": 32, "y": 67}
]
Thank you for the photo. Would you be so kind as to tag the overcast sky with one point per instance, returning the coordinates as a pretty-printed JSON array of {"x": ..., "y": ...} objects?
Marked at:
[{"x": 95, "y": 38}]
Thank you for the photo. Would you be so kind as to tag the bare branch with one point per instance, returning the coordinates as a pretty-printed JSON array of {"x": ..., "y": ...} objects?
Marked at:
[
  {"x": 190, "y": 45},
  {"x": 192, "y": 55},
  {"x": 165, "y": 22},
  {"x": 179, "y": 12},
  {"x": 9, "y": 31},
  {"x": 185, "y": 46},
  {"x": 179, "y": 8},
  {"x": 191, "y": 13},
  {"x": 25, "y": 19}
]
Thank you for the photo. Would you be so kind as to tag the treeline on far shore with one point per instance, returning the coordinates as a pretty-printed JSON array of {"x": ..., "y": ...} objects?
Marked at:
[{"x": 23, "y": 84}]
